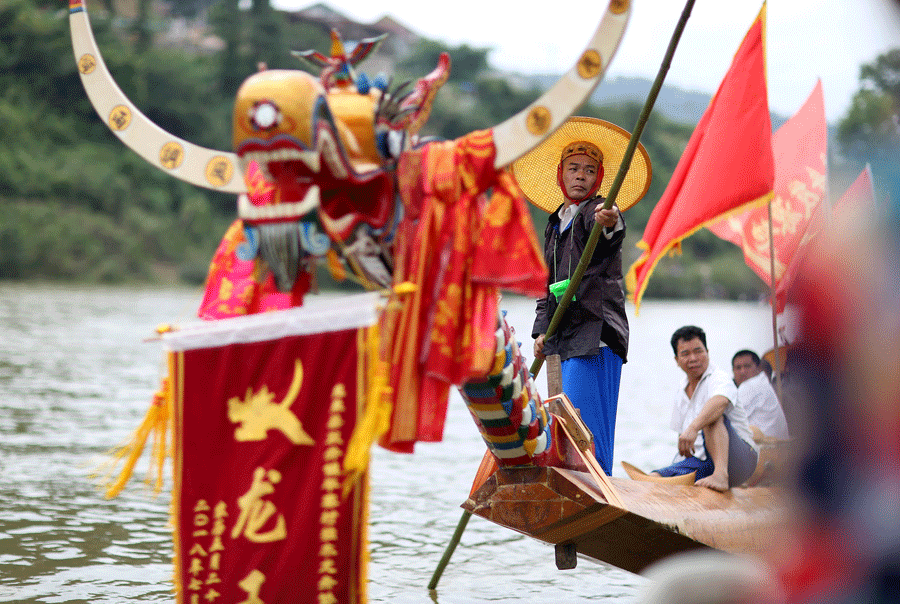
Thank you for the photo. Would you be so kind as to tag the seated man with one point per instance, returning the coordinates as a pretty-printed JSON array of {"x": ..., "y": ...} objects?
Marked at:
[
  {"x": 714, "y": 438},
  {"x": 757, "y": 396}
]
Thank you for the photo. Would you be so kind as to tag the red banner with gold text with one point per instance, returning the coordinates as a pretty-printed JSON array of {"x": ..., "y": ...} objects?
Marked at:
[
  {"x": 262, "y": 427},
  {"x": 801, "y": 175}
]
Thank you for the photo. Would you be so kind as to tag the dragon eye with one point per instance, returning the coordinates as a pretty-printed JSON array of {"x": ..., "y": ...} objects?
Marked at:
[{"x": 265, "y": 115}]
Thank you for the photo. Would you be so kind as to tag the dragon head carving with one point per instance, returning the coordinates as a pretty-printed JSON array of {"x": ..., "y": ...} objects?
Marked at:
[
  {"x": 327, "y": 148},
  {"x": 328, "y": 142}
]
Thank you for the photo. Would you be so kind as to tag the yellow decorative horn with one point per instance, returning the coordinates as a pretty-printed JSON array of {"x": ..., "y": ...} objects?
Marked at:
[
  {"x": 525, "y": 130},
  {"x": 218, "y": 170}
]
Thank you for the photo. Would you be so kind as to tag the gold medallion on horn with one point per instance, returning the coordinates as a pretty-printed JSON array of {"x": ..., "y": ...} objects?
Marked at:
[
  {"x": 119, "y": 118},
  {"x": 87, "y": 63},
  {"x": 219, "y": 171},
  {"x": 538, "y": 120},
  {"x": 171, "y": 155},
  {"x": 617, "y": 7},
  {"x": 590, "y": 65}
]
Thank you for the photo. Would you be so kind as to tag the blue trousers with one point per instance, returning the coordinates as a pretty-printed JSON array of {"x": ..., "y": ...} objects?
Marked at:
[
  {"x": 741, "y": 461},
  {"x": 592, "y": 384}
]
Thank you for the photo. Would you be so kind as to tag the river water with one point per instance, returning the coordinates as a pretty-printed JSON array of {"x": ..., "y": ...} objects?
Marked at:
[{"x": 77, "y": 375}]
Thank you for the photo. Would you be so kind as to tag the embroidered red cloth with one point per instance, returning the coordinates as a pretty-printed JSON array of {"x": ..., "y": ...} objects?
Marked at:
[
  {"x": 456, "y": 244},
  {"x": 459, "y": 247},
  {"x": 236, "y": 287}
]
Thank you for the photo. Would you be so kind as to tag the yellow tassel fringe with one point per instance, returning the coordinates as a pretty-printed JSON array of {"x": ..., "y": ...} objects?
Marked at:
[
  {"x": 155, "y": 425},
  {"x": 376, "y": 418}
]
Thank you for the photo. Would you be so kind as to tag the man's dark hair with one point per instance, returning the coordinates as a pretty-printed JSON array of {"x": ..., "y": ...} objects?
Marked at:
[
  {"x": 749, "y": 353},
  {"x": 686, "y": 333}
]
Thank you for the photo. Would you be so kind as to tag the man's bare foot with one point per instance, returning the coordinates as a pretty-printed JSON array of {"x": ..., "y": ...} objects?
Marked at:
[{"x": 714, "y": 482}]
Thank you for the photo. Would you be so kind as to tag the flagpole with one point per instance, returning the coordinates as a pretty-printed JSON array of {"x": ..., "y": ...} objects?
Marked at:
[
  {"x": 575, "y": 279},
  {"x": 772, "y": 299}
]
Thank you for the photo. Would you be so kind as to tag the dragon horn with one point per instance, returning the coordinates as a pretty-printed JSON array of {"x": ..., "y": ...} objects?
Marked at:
[
  {"x": 217, "y": 170},
  {"x": 524, "y": 131}
]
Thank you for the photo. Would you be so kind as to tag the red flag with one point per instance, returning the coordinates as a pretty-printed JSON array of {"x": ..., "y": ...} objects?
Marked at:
[
  {"x": 800, "y": 148},
  {"x": 265, "y": 407},
  {"x": 860, "y": 196},
  {"x": 727, "y": 164}
]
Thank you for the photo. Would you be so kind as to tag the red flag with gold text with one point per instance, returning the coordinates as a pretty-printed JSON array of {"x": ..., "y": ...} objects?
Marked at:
[
  {"x": 800, "y": 148},
  {"x": 726, "y": 165},
  {"x": 264, "y": 409}
]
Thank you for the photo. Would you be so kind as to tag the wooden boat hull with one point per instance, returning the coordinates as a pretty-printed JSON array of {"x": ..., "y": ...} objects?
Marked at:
[{"x": 567, "y": 508}]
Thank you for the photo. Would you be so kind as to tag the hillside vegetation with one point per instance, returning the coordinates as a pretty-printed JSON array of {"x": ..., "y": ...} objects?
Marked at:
[{"x": 79, "y": 206}]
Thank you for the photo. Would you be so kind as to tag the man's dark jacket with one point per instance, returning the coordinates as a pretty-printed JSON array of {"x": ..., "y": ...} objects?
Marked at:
[{"x": 598, "y": 311}]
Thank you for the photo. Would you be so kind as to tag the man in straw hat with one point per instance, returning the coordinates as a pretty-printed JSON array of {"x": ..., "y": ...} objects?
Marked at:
[{"x": 565, "y": 176}]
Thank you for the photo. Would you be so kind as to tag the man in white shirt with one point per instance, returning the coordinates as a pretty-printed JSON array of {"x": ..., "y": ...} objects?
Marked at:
[
  {"x": 714, "y": 437},
  {"x": 757, "y": 396}
]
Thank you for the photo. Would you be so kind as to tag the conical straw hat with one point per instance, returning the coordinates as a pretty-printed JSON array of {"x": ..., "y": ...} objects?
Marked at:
[{"x": 536, "y": 170}]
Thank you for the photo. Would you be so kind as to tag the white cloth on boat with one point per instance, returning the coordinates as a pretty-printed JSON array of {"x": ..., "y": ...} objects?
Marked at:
[
  {"x": 714, "y": 381},
  {"x": 764, "y": 411},
  {"x": 319, "y": 314}
]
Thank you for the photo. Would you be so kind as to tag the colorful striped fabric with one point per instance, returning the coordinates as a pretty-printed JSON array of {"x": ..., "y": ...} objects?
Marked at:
[{"x": 507, "y": 408}]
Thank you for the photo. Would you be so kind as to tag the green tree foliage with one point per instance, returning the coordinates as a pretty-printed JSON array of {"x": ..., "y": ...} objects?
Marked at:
[
  {"x": 260, "y": 35},
  {"x": 468, "y": 63},
  {"x": 226, "y": 22},
  {"x": 75, "y": 204},
  {"x": 871, "y": 123},
  {"x": 191, "y": 8},
  {"x": 266, "y": 39},
  {"x": 870, "y": 131}
]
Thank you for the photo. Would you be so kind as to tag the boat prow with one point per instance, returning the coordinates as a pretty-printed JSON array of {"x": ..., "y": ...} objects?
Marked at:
[
  {"x": 566, "y": 508},
  {"x": 626, "y": 523}
]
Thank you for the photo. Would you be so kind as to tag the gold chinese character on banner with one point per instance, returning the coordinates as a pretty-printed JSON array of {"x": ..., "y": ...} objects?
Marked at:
[
  {"x": 256, "y": 512},
  {"x": 807, "y": 198},
  {"x": 252, "y": 584},
  {"x": 785, "y": 219}
]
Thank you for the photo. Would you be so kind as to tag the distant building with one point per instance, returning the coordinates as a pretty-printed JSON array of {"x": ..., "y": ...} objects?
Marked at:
[
  {"x": 191, "y": 35},
  {"x": 403, "y": 40}
]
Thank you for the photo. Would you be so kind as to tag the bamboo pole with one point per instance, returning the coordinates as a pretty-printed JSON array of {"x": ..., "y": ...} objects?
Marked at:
[
  {"x": 454, "y": 541},
  {"x": 575, "y": 279},
  {"x": 774, "y": 307}
]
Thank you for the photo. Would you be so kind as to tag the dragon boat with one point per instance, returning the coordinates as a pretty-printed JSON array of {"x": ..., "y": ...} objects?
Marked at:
[{"x": 628, "y": 523}]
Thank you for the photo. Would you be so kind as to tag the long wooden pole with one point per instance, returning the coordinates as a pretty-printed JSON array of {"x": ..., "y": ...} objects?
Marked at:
[
  {"x": 575, "y": 279},
  {"x": 774, "y": 302},
  {"x": 454, "y": 541}
]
